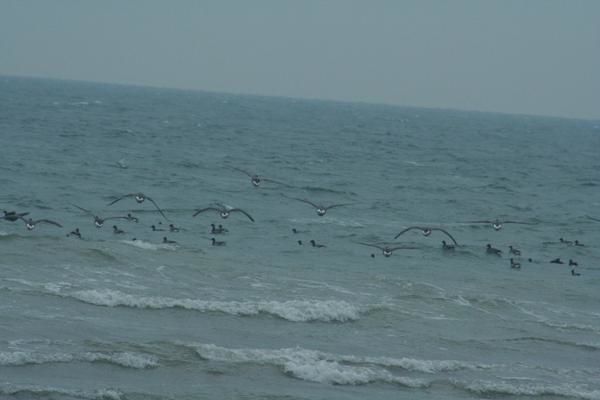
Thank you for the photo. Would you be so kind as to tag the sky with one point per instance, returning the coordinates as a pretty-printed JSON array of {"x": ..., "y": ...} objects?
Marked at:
[{"x": 539, "y": 57}]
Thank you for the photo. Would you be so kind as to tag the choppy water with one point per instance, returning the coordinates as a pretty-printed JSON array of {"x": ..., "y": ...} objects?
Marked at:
[{"x": 109, "y": 317}]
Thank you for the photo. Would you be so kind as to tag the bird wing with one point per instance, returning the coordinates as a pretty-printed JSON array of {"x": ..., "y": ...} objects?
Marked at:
[
  {"x": 306, "y": 201},
  {"x": 371, "y": 245},
  {"x": 243, "y": 212},
  {"x": 410, "y": 228},
  {"x": 47, "y": 221},
  {"x": 274, "y": 181},
  {"x": 122, "y": 197},
  {"x": 447, "y": 234},
  {"x": 109, "y": 218},
  {"x": 402, "y": 248},
  {"x": 518, "y": 222},
  {"x": 593, "y": 219},
  {"x": 336, "y": 205},
  {"x": 243, "y": 171},
  {"x": 480, "y": 222},
  {"x": 207, "y": 209},
  {"x": 84, "y": 210},
  {"x": 157, "y": 207}
]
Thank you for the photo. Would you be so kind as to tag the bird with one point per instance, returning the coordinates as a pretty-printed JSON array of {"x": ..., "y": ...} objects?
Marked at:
[
  {"x": 491, "y": 250},
  {"x": 556, "y": 261},
  {"x": 386, "y": 250},
  {"x": 574, "y": 273},
  {"x": 218, "y": 230},
  {"x": 514, "y": 251},
  {"x": 30, "y": 223},
  {"x": 256, "y": 179},
  {"x": 167, "y": 241},
  {"x": 215, "y": 242},
  {"x": 155, "y": 229},
  {"x": 74, "y": 233},
  {"x": 117, "y": 231},
  {"x": 578, "y": 243},
  {"x": 426, "y": 232},
  {"x": 514, "y": 264},
  {"x": 12, "y": 216},
  {"x": 140, "y": 198},
  {"x": 446, "y": 246},
  {"x": 98, "y": 221},
  {"x": 296, "y": 231},
  {"x": 315, "y": 244},
  {"x": 300, "y": 242},
  {"x": 321, "y": 210},
  {"x": 497, "y": 224},
  {"x": 572, "y": 263},
  {"x": 223, "y": 211},
  {"x": 173, "y": 228},
  {"x": 132, "y": 218},
  {"x": 563, "y": 241}
]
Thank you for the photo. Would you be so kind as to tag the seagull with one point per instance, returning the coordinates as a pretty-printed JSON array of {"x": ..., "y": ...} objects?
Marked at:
[
  {"x": 12, "y": 216},
  {"x": 387, "y": 250},
  {"x": 514, "y": 251},
  {"x": 223, "y": 211},
  {"x": 497, "y": 224},
  {"x": 140, "y": 198},
  {"x": 321, "y": 210},
  {"x": 314, "y": 244},
  {"x": 256, "y": 179},
  {"x": 98, "y": 221},
  {"x": 426, "y": 232},
  {"x": 30, "y": 223},
  {"x": 492, "y": 250}
]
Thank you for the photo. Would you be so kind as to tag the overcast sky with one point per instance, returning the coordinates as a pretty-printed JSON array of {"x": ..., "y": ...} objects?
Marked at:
[{"x": 516, "y": 56}]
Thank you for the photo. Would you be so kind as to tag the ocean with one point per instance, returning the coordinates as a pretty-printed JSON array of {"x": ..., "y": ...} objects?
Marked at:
[{"x": 267, "y": 315}]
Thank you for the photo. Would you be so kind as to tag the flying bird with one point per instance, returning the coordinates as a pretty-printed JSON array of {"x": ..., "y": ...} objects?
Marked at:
[
  {"x": 140, "y": 198},
  {"x": 321, "y": 210},
  {"x": 256, "y": 179},
  {"x": 426, "y": 231},
  {"x": 30, "y": 223},
  {"x": 386, "y": 250},
  {"x": 223, "y": 211},
  {"x": 98, "y": 221},
  {"x": 498, "y": 224}
]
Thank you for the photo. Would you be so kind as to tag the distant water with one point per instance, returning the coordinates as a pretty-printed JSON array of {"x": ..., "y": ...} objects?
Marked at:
[{"x": 110, "y": 317}]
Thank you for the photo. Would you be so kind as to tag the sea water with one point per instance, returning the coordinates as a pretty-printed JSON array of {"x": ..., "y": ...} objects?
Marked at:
[{"x": 125, "y": 316}]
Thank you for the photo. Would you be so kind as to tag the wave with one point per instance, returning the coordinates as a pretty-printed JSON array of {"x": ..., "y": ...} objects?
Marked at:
[
  {"x": 123, "y": 359},
  {"x": 308, "y": 365},
  {"x": 532, "y": 389},
  {"x": 45, "y": 392},
  {"x": 291, "y": 310},
  {"x": 149, "y": 246}
]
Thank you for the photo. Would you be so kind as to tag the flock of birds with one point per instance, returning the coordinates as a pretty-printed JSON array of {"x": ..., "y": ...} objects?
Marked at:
[{"x": 224, "y": 212}]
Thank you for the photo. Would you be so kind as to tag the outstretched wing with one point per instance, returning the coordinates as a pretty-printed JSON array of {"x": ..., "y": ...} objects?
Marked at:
[
  {"x": 403, "y": 248},
  {"x": 84, "y": 210},
  {"x": 306, "y": 201},
  {"x": 519, "y": 222},
  {"x": 447, "y": 234},
  {"x": 122, "y": 197},
  {"x": 274, "y": 181},
  {"x": 410, "y": 228},
  {"x": 47, "y": 221},
  {"x": 243, "y": 171},
  {"x": 157, "y": 207},
  {"x": 109, "y": 218},
  {"x": 371, "y": 245},
  {"x": 207, "y": 209},
  {"x": 593, "y": 219},
  {"x": 480, "y": 222},
  {"x": 243, "y": 212},
  {"x": 336, "y": 205}
]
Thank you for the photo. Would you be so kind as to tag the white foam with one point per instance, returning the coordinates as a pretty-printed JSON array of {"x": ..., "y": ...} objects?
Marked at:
[
  {"x": 51, "y": 392},
  {"x": 149, "y": 246},
  {"x": 291, "y": 310},
  {"x": 307, "y": 365},
  {"x": 124, "y": 359},
  {"x": 531, "y": 389}
]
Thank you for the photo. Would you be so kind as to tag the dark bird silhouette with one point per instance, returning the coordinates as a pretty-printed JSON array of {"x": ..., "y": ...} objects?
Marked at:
[
  {"x": 386, "y": 249},
  {"x": 256, "y": 179},
  {"x": 514, "y": 264},
  {"x": 514, "y": 251},
  {"x": 315, "y": 244},
  {"x": 215, "y": 242},
  {"x": 492, "y": 250},
  {"x": 321, "y": 209},
  {"x": 498, "y": 224},
  {"x": 98, "y": 221},
  {"x": 12, "y": 216},
  {"x": 30, "y": 223}
]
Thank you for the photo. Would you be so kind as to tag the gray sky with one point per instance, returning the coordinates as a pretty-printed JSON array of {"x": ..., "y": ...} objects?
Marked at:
[{"x": 517, "y": 56}]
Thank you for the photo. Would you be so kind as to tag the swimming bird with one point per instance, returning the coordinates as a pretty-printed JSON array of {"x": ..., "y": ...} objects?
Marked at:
[
  {"x": 514, "y": 264},
  {"x": 321, "y": 210},
  {"x": 568, "y": 242},
  {"x": 256, "y": 179},
  {"x": 215, "y": 242},
  {"x": 223, "y": 211},
  {"x": 12, "y": 216},
  {"x": 574, "y": 273},
  {"x": 426, "y": 232},
  {"x": 514, "y": 251},
  {"x": 117, "y": 231},
  {"x": 386, "y": 250},
  {"x": 155, "y": 229},
  {"x": 218, "y": 230},
  {"x": 300, "y": 242},
  {"x": 132, "y": 218},
  {"x": 98, "y": 221},
  {"x": 173, "y": 228},
  {"x": 140, "y": 198},
  {"x": 578, "y": 243},
  {"x": 446, "y": 246},
  {"x": 167, "y": 241},
  {"x": 74, "y": 233},
  {"x": 492, "y": 250},
  {"x": 572, "y": 263},
  {"x": 30, "y": 223},
  {"x": 497, "y": 224},
  {"x": 556, "y": 261},
  {"x": 315, "y": 244},
  {"x": 296, "y": 231}
]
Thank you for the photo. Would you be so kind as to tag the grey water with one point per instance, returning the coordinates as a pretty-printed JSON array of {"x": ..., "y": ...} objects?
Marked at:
[{"x": 125, "y": 316}]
